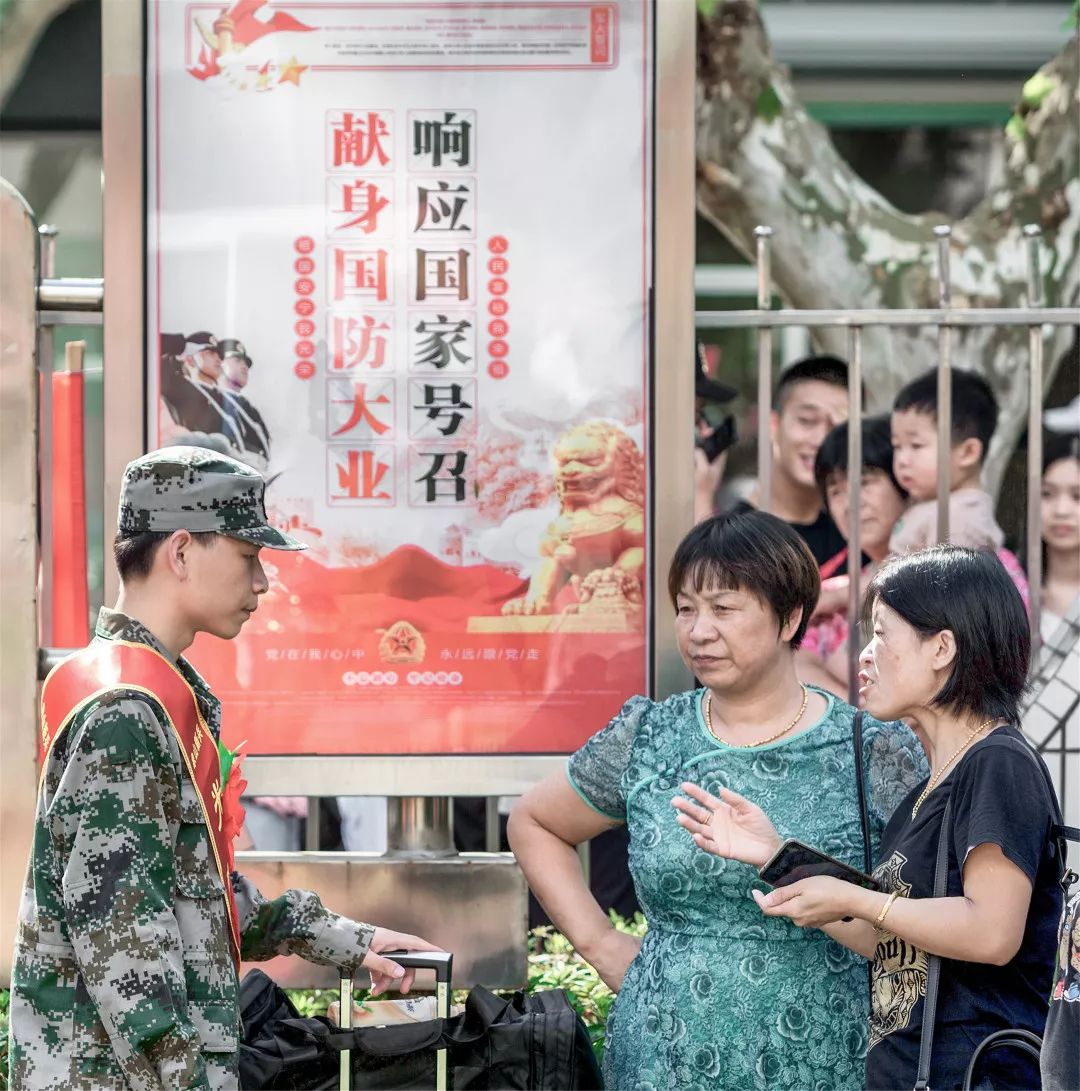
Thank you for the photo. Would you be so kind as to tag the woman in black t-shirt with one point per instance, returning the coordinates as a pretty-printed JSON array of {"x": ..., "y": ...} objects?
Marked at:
[{"x": 950, "y": 653}]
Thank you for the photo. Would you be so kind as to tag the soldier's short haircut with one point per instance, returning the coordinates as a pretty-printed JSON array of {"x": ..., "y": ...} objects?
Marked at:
[{"x": 134, "y": 553}]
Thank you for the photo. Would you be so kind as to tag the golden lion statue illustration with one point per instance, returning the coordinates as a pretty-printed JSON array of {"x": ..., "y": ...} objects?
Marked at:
[{"x": 597, "y": 542}]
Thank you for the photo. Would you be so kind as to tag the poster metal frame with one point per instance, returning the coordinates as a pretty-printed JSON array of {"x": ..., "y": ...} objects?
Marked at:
[{"x": 670, "y": 395}]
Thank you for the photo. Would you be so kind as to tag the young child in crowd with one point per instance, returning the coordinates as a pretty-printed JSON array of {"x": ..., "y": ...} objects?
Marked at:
[{"x": 915, "y": 462}]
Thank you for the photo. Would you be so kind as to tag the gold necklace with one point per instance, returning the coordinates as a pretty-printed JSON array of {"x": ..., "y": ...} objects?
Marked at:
[
  {"x": 760, "y": 742},
  {"x": 935, "y": 780}
]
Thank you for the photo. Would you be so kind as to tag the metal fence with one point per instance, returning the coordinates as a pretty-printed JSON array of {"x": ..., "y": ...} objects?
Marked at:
[{"x": 1055, "y": 743}]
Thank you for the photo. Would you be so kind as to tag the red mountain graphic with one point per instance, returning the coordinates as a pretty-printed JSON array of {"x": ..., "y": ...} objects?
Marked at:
[
  {"x": 408, "y": 573},
  {"x": 407, "y": 585}
]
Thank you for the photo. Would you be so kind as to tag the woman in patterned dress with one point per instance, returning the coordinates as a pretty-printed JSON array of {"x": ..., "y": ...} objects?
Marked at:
[
  {"x": 949, "y": 652},
  {"x": 717, "y": 996}
]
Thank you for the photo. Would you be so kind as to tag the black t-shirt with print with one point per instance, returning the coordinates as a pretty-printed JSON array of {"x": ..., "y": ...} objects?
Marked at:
[
  {"x": 1000, "y": 796},
  {"x": 822, "y": 536}
]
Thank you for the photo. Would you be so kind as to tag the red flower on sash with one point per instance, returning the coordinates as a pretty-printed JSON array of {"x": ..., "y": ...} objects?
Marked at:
[{"x": 233, "y": 787}]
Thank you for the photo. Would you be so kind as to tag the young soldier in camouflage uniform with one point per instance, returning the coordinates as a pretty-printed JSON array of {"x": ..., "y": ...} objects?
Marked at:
[{"x": 125, "y": 974}]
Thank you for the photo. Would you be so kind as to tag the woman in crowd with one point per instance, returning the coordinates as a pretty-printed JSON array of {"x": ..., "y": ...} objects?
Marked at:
[
  {"x": 716, "y": 996},
  {"x": 1060, "y": 531},
  {"x": 823, "y": 657},
  {"x": 949, "y": 652}
]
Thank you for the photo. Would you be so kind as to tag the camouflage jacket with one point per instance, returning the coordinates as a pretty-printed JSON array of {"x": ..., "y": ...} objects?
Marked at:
[{"x": 123, "y": 976}]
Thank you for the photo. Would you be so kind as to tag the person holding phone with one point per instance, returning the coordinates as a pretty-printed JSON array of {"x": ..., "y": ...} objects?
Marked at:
[
  {"x": 715, "y": 996},
  {"x": 949, "y": 651},
  {"x": 714, "y": 433}
]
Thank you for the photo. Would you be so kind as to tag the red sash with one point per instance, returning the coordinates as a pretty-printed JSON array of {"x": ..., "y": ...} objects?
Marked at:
[{"x": 109, "y": 665}]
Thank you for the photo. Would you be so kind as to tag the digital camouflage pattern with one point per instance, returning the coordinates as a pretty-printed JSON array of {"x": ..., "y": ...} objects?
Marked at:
[
  {"x": 123, "y": 976},
  {"x": 196, "y": 489}
]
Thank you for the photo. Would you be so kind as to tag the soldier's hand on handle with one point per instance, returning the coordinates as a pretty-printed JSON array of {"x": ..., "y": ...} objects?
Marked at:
[{"x": 385, "y": 973}]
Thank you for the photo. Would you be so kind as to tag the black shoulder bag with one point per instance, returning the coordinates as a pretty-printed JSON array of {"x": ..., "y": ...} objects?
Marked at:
[{"x": 1014, "y": 1038}]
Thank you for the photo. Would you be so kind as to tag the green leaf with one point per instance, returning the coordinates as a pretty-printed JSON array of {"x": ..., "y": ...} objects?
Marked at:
[
  {"x": 1015, "y": 129},
  {"x": 768, "y": 105},
  {"x": 707, "y": 7},
  {"x": 1036, "y": 89},
  {"x": 1074, "y": 17},
  {"x": 225, "y": 757}
]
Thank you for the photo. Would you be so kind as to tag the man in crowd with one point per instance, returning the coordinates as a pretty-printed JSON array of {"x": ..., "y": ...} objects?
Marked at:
[
  {"x": 133, "y": 922},
  {"x": 810, "y": 400}
]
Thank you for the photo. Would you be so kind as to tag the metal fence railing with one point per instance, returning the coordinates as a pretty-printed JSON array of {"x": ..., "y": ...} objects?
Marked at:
[{"x": 1053, "y": 740}]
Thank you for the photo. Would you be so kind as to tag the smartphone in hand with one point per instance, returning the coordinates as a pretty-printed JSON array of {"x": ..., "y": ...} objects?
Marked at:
[{"x": 793, "y": 861}]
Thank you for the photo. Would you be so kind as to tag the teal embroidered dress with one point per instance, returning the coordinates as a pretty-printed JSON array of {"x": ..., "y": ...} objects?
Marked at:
[{"x": 720, "y": 995}]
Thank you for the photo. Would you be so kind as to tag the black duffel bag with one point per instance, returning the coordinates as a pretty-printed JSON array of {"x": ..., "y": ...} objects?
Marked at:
[
  {"x": 532, "y": 1040},
  {"x": 527, "y": 1041}
]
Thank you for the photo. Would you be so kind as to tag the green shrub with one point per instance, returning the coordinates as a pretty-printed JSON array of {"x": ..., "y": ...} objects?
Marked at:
[
  {"x": 555, "y": 964},
  {"x": 5, "y": 1000}
]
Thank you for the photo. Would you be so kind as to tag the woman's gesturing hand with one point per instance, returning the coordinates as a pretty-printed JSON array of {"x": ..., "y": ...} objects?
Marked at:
[
  {"x": 730, "y": 826},
  {"x": 809, "y": 903}
]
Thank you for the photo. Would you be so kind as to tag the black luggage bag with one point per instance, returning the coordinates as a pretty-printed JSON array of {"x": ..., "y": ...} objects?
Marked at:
[{"x": 526, "y": 1041}]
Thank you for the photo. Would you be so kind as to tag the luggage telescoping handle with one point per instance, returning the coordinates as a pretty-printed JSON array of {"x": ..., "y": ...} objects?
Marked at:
[{"x": 442, "y": 962}]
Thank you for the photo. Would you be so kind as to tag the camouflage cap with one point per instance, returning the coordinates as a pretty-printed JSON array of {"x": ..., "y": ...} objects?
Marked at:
[{"x": 195, "y": 489}]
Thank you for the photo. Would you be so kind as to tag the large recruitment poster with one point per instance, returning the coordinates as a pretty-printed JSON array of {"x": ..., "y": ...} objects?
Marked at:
[{"x": 399, "y": 259}]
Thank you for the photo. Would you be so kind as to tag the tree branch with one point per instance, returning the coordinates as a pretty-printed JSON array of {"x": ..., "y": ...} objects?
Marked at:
[{"x": 839, "y": 244}]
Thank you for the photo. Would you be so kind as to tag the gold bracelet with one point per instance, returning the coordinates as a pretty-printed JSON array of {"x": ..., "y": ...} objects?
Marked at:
[{"x": 887, "y": 906}]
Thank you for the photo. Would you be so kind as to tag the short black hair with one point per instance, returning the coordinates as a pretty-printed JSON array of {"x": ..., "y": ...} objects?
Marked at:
[
  {"x": 1059, "y": 445},
  {"x": 750, "y": 551},
  {"x": 974, "y": 407},
  {"x": 821, "y": 369},
  {"x": 134, "y": 553},
  {"x": 968, "y": 592},
  {"x": 877, "y": 452}
]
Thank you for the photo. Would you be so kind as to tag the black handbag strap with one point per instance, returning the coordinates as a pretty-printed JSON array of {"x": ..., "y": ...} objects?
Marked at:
[
  {"x": 860, "y": 785},
  {"x": 1024, "y": 1040},
  {"x": 933, "y": 969}
]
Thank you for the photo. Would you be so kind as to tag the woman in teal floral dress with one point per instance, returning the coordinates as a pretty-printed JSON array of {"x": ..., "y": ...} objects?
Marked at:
[{"x": 716, "y": 996}]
